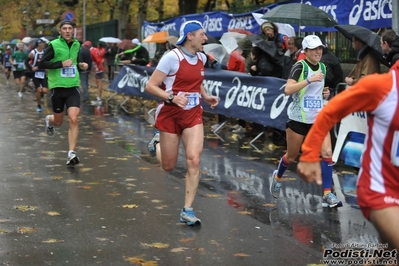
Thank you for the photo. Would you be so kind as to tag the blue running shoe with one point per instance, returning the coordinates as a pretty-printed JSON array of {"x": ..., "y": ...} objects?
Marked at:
[
  {"x": 152, "y": 144},
  {"x": 275, "y": 186},
  {"x": 187, "y": 216},
  {"x": 330, "y": 200}
]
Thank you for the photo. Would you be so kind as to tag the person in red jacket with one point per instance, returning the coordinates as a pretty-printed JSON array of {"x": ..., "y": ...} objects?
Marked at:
[
  {"x": 378, "y": 182},
  {"x": 97, "y": 55}
]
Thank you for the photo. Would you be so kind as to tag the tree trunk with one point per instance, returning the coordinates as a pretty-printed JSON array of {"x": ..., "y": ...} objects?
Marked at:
[
  {"x": 123, "y": 24},
  {"x": 141, "y": 16},
  {"x": 188, "y": 7},
  {"x": 160, "y": 9}
]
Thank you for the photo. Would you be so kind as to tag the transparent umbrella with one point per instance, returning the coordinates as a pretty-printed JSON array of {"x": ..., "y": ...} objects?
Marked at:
[
  {"x": 229, "y": 40},
  {"x": 217, "y": 51}
]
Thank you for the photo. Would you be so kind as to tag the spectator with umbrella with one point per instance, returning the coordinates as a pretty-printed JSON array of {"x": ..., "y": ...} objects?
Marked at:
[
  {"x": 390, "y": 46},
  {"x": 368, "y": 45},
  {"x": 269, "y": 32}
]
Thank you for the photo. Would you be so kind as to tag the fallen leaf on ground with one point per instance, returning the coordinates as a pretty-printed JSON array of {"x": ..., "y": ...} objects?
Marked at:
[
  {"x": 114, "y": 194},
  {"x": 141, "y": 192},
  {"x": 83, "y": 170},
  {"x": 130, "y": 206},
  {"x": 53, "y": 213},
  {"x": 244, "y": 212},
  {"x": 2, "y": 231},
  {"x": 85, "y": 187},
  {"x": 53, "y": 240},
  {"x": 154, "y": 245},
  {"x": 72, "y": 181},
  {"x": 181, "y": 249},
  {"x": 212, "y": 195},
  {"x": 185, "y": 240},
  {"x": 144, "y": 168},
  {"x": 269, "y": 204},
  {"x": 241, "y": 255},
  {"x": 25, "y": 208},
  {"x": 56, "y": 177},
  {"x": 26, "y": 230}
]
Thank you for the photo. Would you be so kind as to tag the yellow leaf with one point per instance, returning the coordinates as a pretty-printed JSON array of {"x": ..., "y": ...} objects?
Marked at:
[
  {"x": 38, "y": 178},
  {"x": 144, "y": 168},
  {"x": 181, "y": 249},
  {"x": 83, "y": 170},
  {"x": 122, "y": 159},
  {"x": 185, "y": 240},
  {"x": 114, "y": 194},
  {"x": 244, "y": 212},
  {"x": 156, "y": 201},
  {"x": 141, "y": 192},
  {"x": 2, "y": 231},
  {"x": 212, "y": 195},
  {"x": 26, "y": 230},
  {"x": 25, "y": 208},
  {"x": 269, "y": 204},
  {"x": 71, "y": 181},
  {"x": 161, "y": 207},
  {"x": 288, "y": 179},
  {"x": 130, "y": 206},
  {"x": 85, "y": 187},
  {"x": 241, "y": 255},
  {"x": 27, "y": 173},
  {"x": 150, "y": 263},
  {"x": 160, "y": 245},
  {"x": 93, "y": 183},
  {"x": 56, "y": 177},
  {"x": 53, "y": 213},
  {"x": 52, "y": 240}
]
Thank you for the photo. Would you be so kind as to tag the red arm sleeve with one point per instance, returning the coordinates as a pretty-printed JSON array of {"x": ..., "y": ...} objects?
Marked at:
[{"x": 365, "y": 95}]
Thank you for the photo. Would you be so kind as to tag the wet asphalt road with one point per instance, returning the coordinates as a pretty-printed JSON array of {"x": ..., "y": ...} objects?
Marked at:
[{"x": 119, "y": 208}]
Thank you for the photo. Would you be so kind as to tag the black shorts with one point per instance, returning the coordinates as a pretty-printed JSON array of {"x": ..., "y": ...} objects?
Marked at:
[
  {"x": 64, "y": 96},
  {"x": 19, "y": 74},
  {"x": 40, "y": 83},
  {"x": 99, "y": 75},
  {"x": 298, "y": 127}
]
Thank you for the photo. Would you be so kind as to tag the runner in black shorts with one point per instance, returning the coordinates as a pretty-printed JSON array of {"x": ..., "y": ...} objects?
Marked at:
[
  {"x": 38, "y": 75},
  {"x": 61, "y": 60}
]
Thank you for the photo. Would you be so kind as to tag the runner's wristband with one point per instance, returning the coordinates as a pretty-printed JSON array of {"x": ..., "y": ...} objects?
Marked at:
[{"x": 308, "y": 81}]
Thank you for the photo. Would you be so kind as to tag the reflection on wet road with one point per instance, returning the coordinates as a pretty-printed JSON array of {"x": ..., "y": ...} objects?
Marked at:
[{"x": 241, "y": 171}]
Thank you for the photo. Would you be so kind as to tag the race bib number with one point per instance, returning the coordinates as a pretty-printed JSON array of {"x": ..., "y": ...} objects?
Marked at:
[
  {"x": 395, "y": 149},
  {"x": 193, "y": 100},
  {"x": 312, "y": 104},
  {"x": 20, "y": 65},
  {"x": 68, "y": 72},
  {"x": 8, "y": 64},
  {"x": 39, "y": 74}
]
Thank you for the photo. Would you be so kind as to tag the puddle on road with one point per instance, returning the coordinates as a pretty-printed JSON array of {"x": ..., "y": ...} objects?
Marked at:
[{"x": 239, "y": 171}]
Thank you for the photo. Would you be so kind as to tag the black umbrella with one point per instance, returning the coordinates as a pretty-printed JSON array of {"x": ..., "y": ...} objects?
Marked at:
[
  {"x": 300, "y": 14},
  {"x": 268, "y": 46},
  {"x": 369, "y": 37}
]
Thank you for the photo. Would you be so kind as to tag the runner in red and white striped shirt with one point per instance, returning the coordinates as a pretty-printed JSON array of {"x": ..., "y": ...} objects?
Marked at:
[{"x": 378, "y": 184}]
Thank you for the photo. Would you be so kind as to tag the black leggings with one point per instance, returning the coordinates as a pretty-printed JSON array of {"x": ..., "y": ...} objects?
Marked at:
[{"x": 111, "y": 69}]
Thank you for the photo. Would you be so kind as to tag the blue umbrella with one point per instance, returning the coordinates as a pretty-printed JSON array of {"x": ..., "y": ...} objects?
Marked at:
[{"x": 15, "y": 41}]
